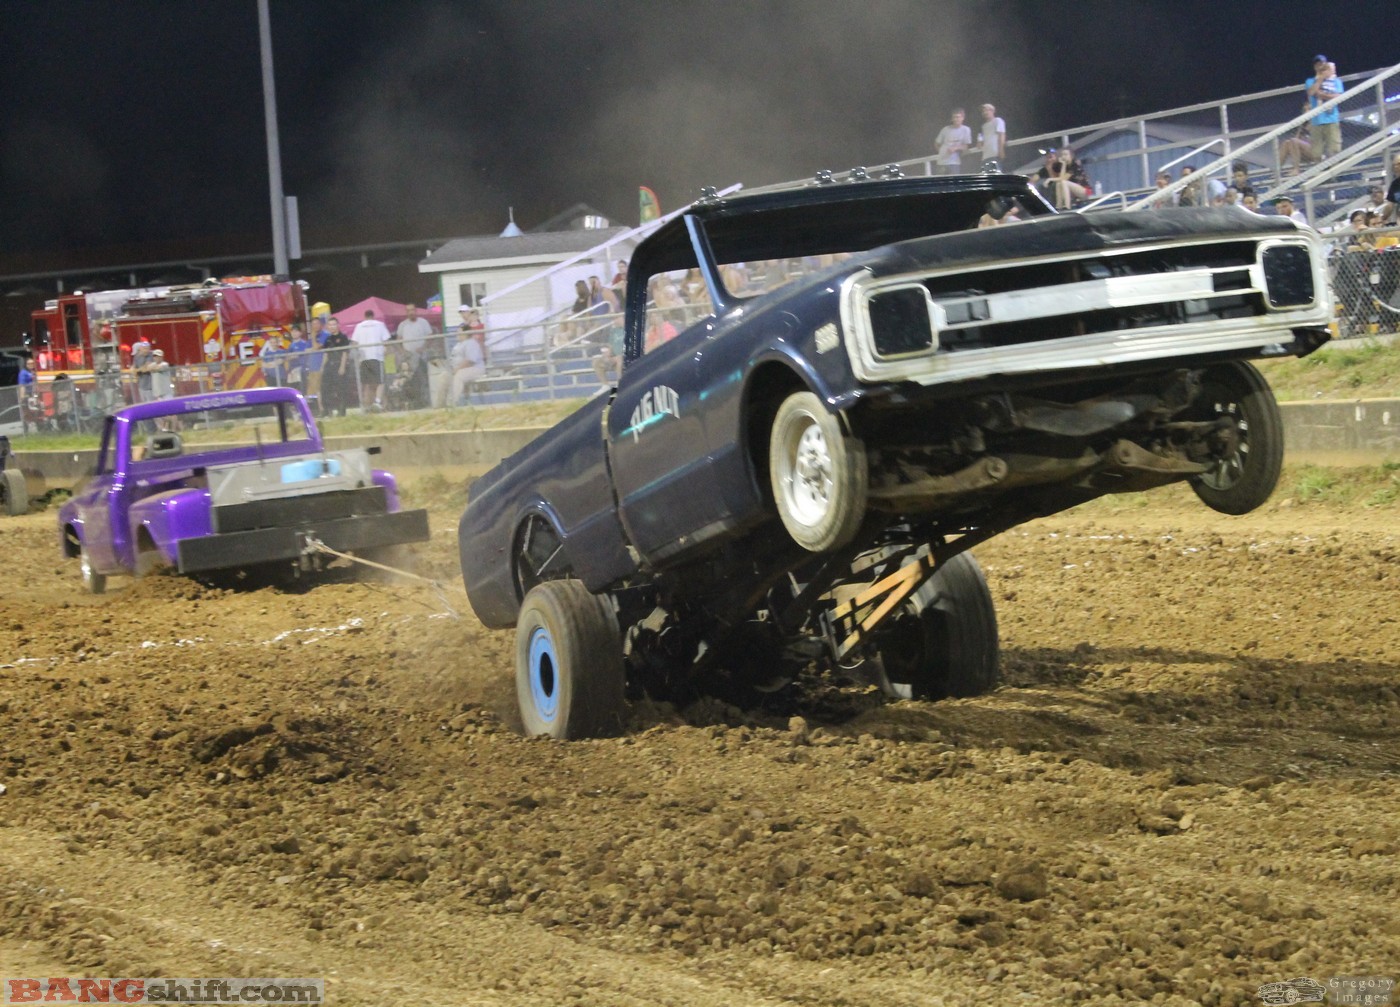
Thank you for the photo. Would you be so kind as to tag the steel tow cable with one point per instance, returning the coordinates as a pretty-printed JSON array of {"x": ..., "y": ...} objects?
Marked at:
[{"x": 313, "y": 544}]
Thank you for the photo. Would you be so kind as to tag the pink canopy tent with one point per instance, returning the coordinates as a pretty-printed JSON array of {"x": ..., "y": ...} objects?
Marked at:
[{"x": 388, "y": 312}]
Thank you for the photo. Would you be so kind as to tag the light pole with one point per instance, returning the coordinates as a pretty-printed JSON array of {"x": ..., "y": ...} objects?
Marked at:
[{"x": 274, "y": 152}]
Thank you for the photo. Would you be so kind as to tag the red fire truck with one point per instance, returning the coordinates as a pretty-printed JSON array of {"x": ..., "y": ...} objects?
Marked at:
[{"x": 210, "y": 333}]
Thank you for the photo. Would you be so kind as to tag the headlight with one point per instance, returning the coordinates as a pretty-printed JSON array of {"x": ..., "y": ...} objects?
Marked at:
[
  {"x": 1288, "y": 274},
  {"x": 901, "y": 320}
]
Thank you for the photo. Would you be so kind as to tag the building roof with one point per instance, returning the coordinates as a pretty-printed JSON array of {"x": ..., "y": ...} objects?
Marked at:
[
  {"x": 532, "y": 245},
  {"x": 571, "y": 219}
]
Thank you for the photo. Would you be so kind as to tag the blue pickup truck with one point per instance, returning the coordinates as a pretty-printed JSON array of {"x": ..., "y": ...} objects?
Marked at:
[{"x": 832, "y": 392}]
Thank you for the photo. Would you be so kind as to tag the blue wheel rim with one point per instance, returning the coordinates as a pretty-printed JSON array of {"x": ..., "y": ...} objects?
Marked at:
[{"x": 544, "y": 674}]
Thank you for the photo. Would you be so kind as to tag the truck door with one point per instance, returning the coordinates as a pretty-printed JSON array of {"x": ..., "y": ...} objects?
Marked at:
[
  {"x": 95, "y": 508},
  {"x": 656, "y": 442}
]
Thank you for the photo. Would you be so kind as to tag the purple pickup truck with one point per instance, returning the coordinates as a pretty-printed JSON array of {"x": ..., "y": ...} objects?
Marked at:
[{"x": 156, "y": 499}]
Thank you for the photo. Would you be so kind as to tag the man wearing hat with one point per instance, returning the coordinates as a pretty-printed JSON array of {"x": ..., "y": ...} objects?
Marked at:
[
  {"x": 162, "y": 380},
  {"x": 1283, "y": 207},
  {"x": 1323, "y": 86},
  {"x": 140, "y": 365}
]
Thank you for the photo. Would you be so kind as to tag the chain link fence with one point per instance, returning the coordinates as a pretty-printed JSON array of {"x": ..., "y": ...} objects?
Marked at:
[
  {"x": 1364, "y": 271},
  {"x": 570, "y": 355},
  {"x": 564, "y": 357}
]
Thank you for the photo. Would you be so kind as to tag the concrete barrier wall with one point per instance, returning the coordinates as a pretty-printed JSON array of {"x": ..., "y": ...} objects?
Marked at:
[
  {"x": 466, "y": 452},
  {"x": 1364, "y": 432}
]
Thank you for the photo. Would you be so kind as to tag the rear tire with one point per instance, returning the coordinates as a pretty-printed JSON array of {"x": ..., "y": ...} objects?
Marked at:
[
  {"x": 569, "y": 676},
  {"x": 15, "y": 492},
  {"x": 819, "y": 474},
  {"x": 944, "y": 640},
  {"x": 1245, "y": 477}
]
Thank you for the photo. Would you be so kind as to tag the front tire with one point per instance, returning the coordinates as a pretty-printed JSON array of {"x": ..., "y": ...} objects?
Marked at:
[
  {"x": 819, "y": 474},
  {"x": 944, "y": 640},
  {"x": 569, "y": 677},
  {"x": 1248, "y": 469}
]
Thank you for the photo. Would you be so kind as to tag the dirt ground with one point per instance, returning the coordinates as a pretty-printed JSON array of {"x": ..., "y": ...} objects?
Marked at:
[{"x": 1189, "y": 786}]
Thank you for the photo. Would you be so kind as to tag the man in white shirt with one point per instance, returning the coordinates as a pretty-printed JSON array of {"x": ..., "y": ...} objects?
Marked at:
[
  {"x": 992, "y": 138},
  {"x": 370, "y": 336},
  {"x": 416, "y": 337},
  {"x": 162, "y": 378},
  {"x": 952, "y": 140},
  {"x": 140, "y": 362},
  {"x": 421, "y": 358},
  {"x": 468, "y": 363}
]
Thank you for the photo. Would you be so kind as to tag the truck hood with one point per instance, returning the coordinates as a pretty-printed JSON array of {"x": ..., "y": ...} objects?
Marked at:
[{"x": 1068, "y": 233}]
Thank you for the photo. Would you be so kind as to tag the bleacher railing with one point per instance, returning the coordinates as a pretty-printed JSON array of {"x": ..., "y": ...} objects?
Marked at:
[{"x": 1325, "y": 170}]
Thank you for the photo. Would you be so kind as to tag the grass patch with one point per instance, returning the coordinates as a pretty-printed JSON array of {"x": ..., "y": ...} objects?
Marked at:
[
  {"x": 1315, "y": 484},
  {"x": 1363, "y": 486},
  {"x": 1369, "y": 370},
  {"x": 1366, "y": 486}
]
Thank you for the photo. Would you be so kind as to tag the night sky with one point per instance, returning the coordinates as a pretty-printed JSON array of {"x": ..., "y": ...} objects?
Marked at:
[{"x": 131, "y": 126}]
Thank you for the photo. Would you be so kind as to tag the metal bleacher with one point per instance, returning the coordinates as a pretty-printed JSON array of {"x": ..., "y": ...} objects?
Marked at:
[
  {"x": 537, "y": 374},
  {"x": 1330, "y": 188}
]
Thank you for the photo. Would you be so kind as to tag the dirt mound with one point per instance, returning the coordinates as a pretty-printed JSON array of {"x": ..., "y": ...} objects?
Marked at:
[{"x": 1187, "y": 788}]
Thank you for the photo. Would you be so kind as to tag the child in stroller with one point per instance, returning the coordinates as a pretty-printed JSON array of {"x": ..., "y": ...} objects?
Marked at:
[{"x": 408, "y": 389}]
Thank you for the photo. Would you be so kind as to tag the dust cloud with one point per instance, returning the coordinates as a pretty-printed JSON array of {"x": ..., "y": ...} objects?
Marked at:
[
  {"x": 461, "y": 113},
  {"x": 429, "y": 119}
]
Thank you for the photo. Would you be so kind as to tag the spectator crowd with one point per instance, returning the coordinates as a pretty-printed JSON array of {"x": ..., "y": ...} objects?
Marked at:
[
  {"x": 1065, "y": 183},
  {"x": 373, "y": 368}
]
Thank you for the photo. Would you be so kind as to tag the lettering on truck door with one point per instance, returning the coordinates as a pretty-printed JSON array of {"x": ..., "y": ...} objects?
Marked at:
[{"x": 656, "y": 443}]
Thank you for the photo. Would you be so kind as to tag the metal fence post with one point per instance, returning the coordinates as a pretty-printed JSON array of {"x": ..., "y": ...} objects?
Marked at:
[
  {"x": 1146, "y": 165},
  {"x": 355, "y": 369},
  {"x": 1225, "y": 134}
]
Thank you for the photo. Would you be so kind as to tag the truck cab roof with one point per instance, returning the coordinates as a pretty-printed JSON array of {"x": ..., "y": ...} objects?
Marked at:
[{"x": 820, "y": 219}]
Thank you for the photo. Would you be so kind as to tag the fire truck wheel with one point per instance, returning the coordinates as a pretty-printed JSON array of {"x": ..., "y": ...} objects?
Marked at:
[{"x": 14, "y": 491}]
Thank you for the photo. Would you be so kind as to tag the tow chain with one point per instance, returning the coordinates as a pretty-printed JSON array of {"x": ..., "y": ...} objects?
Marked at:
[{"x": 312, "y": 544}]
